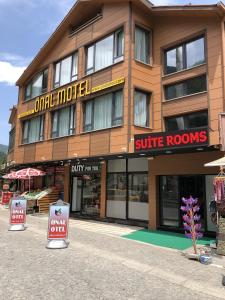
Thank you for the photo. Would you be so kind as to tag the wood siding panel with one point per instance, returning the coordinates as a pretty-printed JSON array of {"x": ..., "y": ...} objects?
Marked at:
[
  {"x": 60, "y": 148},
  {"x": 78, "y": 146},
  {"x": 85, "y": 36},
  {"x": 189, "y": 104},
  {"x": 99, "y": 143},
  {"x": 44, "y": 151},
  {"x": 101, "y": 77},
  {"x": 29, "y": 153}
]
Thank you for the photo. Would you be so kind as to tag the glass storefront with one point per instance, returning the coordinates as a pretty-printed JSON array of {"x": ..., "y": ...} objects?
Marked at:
[
  {"x": 127, "y": 189},
  {"x": 86, "y": 194}
]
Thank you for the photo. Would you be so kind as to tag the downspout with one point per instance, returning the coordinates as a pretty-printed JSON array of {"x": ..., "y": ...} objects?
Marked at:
[
  {"x": 221, "y": 136},
  {"x": 223, "y": 58},
  {"x": 129, "y": 79}
]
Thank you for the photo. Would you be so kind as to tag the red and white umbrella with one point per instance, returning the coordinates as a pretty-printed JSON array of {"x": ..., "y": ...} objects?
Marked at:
[
  {"x": 28, "y": 173},
  {"x": 11, "y": 175}
]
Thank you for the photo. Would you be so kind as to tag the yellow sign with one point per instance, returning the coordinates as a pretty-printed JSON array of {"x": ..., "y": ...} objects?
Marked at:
[{"x": 68, "y": 94}]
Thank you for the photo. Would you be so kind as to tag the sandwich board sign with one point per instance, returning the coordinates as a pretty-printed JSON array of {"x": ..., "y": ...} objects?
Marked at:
[
  {"x": 58, "y": 223},
  {"x": 17, "y": 218}
]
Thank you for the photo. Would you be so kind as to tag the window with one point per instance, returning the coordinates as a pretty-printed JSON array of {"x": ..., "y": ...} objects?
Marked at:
[
  {"x": 103, "y": 112},
  {"x": 141, "y": 109},
  {"x": 33, "y": 130},
  {"x": 188, "y": 121},
  {"x": 66, "y": 70},
  {"x": 106, "y": 52},
  {"x": 185, "y": 56},
  {"x": 117, "y": 187},
  {"x": 138, "y": 187},
  {"x": 37, "y": 86},
  {"x": 63, "y": 122},
  {"x": 142, "y": 45},
  {"x": 12, "y": 138},
  {"x": 185, "y": 88}
]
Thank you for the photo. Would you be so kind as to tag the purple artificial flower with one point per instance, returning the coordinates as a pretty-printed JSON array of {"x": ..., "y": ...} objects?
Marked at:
[
  {"x": 199, "y": 235},
  {"x": 186, "y": 218},
  {"x": 197, "y": 218},
  {"x": 188, "y": 235},
  {"x": 184, "y": 208},
  {"x": 196, "y": 208},
  {"x": 198, "y": 226},
  {"x": 191, "y": 219},
  {"x": 187, "y": 227}
]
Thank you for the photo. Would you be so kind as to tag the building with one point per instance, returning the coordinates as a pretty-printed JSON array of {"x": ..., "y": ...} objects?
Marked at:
[{"x": 120, "y": 108}]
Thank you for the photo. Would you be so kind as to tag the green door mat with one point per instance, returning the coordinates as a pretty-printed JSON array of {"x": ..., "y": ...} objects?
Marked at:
[{"x": 164, "y": 239}]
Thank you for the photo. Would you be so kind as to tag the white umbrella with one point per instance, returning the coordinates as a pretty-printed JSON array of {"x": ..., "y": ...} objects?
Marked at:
[{"x": 216, "y": 163}]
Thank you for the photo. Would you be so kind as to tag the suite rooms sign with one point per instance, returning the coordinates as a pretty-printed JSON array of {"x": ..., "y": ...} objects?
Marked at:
[
  {"x": 67, "y": 95},
  {"x": 158, "y": 142}
]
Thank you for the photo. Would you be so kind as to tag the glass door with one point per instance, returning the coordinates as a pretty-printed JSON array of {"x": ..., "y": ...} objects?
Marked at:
[{"x": 91, "y": 193}]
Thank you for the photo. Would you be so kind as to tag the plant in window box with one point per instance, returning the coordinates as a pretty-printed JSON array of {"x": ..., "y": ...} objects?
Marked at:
[{"x": 191, "y": 222}]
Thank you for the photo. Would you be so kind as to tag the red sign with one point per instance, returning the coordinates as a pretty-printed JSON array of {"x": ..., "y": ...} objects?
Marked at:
[
  {"x": 6, "y": 196},
  {"x": 18, "y": 211},
  {"x": 157, "y": 142},
  {"x": 58, "y": 222}
]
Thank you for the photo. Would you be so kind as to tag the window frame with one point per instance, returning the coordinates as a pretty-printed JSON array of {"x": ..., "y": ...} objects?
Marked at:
[
  {"x": 73, "y": 56},
  {"x": 115, "y": 58},
  {"x": 183, "y": 81},
  {"x": 12, "y": 135},
  {"x": 30, "y": 84},
  {"x": 186, "y": 115},
  {"x": 71, "y": 130},
  {"x": 113, "y": 119},
  {"x": 25, "y": 141},
  {"x": 148, "y": 99},
  {"x": 184, "y": 54},
  {"x": 150, "y": 54}
]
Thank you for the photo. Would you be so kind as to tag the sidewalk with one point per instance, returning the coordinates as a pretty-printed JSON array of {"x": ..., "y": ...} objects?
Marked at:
[{"x": 120, "y": 268}]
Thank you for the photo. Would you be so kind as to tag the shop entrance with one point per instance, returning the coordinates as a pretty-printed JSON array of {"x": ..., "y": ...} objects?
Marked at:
[
  {"x": 86, "y": 192},
  {"x": 172, "y": 189}
]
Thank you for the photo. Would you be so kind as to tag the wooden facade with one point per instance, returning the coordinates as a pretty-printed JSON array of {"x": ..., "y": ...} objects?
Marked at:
[{"x": 169, "y": 26}]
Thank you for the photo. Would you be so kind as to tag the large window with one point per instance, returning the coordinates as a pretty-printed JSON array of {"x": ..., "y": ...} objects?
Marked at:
[
  {"x": 106, "y": 52},
  {"x": 63, "y": 122},
  {"x": 185, "y": 56},
  {"x": 142, "y": 45},
  {"x": 33, "y": 130},
  {"x": 141, "y": 108},
  {"x": 117, "y": 187},
  {"x": 103, "y": 112},
  {"x": 138, "y": 187},
  {"x": 37, "y": 86},
  {"x": 66, "y": 70},
  {"x": 187, "y": 121},
  {"x": 12, "y": 138},
  {"x": 185, "y": 88}
]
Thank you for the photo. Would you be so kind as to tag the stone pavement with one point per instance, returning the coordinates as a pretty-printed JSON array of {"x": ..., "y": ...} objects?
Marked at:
[{"x": 98, "y": 264}]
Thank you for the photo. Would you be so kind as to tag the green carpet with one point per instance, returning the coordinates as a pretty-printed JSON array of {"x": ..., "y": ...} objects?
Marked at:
[{"x": 164, "y": 239}]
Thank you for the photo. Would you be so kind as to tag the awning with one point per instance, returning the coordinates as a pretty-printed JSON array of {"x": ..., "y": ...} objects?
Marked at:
[{"x": 216, "y": 163}]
